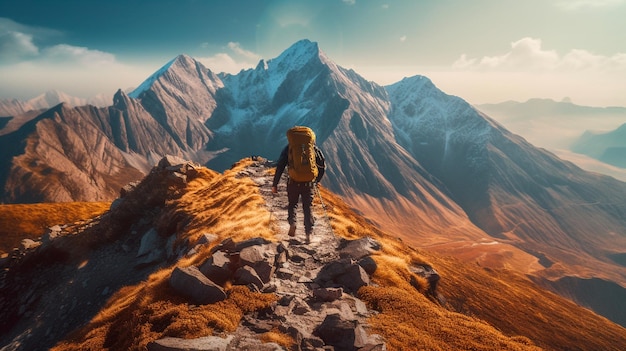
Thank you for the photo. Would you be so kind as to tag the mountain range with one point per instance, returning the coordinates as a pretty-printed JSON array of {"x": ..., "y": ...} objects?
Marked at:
[
  {"x": 11, "y": 107},
  {"x": 418, "y": 162},
  {"x": 585, "y": 135}
]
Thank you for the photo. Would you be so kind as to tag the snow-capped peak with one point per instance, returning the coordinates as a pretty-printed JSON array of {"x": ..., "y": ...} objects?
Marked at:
[
  {"x": 295, "y": 56},
  {"x": 148, "y": 82}
]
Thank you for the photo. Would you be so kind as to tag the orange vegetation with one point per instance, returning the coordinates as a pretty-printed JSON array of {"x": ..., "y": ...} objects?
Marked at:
[
  {"x": 484, "y": 309},
  {"x": 212, "y": 203},
  {"x": 22, "y": 221},
  {"x": 478, "y": 309}
]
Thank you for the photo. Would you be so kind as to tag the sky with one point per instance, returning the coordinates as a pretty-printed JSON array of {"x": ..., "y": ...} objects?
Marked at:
[{"x": 485, "y": 51}]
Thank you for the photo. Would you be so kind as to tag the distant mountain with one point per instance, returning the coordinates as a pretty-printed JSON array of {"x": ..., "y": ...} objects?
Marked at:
[
  {"x": 607, "y": 147},
  {"x": 12, "y": 107},
  {"x": 423, "y": 164},
  {"x": 557, "y": 126}
]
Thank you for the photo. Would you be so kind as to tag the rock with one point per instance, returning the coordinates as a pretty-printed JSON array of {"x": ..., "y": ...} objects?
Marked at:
[
  {"x": 28, "y": 244},
  {"x": 217, "y": 268},
  {"x": 127, "y": 189},
  {"x": 368, "y": 264},
  {"x": 153, "y": 256},
  {"x": 247, "y": 275},
  {"x": 251, "y": 242},
  {"x": 176, "y": 179},
  {"x": 190, "y": 282},
  {"x": 51, "y": 234},
  {"x": 327, "y": 294},
  {"x": 207, "y": 343},
  {"x": 339, "y": 333},
  {"x": 431, "y": 275},
  {"x": 333, "y": 269},
  {"x": 149, "y": 242},
  {"x": 261, "y": 258},
  {"x": 207, "y": 238},
  {"x": 354, "y": 278},
  {"x": 171, "y": 161},
  {"x": 169, "y": 247},
  {"x": 357, "y": 249}
]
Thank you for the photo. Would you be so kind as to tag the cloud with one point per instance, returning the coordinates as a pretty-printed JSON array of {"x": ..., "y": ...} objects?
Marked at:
[
  {"x": 224, "y": 62},
  {"x": 15, "y": 45},
  {"x": 577, "y": 5},
  {"x": 65, "y": 54},
  {"x": 349, "y": 2},
  {"x": 236, "y": 47},
  {"x": 385, "y": 6},
  {"x": 527, "y": 55},
  {"x": 28, "y": 69},
  {"x": 403, "y": 38}
]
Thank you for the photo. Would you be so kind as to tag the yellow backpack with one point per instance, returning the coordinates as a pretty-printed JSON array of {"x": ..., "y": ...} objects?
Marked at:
[{"x": 301, "y": 154}]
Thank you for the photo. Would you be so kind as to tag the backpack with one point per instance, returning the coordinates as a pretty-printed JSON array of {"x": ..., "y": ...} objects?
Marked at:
[{"x": 301, "y": 154}]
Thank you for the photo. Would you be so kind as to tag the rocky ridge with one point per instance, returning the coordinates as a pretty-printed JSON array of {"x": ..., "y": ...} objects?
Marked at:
[{"x": 314, "y": 282}]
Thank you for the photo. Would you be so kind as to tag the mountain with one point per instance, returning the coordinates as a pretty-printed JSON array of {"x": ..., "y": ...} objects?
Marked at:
[
  {"x": 114, "y": 282},
  {"x": 11, "y": 107},
  {"x": 607, "y": 147},
  {"x": 422, "y": 164},
  {"x": 558, "y": 126}
]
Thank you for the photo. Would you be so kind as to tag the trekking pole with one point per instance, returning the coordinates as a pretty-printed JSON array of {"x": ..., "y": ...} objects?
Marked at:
[
  {"x": 319, "y": 194},
  {"x": 269, "y": 223}
]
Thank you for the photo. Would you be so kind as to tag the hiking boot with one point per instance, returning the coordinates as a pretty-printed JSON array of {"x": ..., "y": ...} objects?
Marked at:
[{"x": 292, "y": 229}]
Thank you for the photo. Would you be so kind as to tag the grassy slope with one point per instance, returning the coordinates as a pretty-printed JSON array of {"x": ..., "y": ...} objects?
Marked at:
[
  {"x": 30, "y": 221},
  {"x": 485, "y": 310}
]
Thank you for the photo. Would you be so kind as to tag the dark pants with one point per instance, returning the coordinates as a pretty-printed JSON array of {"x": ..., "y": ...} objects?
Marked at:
[{"x": 294, "y": 192}]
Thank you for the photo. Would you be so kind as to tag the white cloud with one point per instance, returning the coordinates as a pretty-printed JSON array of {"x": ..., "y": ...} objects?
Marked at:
[
  {"x": 224, "y": 62},
  {"x": 385, "y": 6},
  {"x": 16, "y": 45},
  {"x": 527, "y": 55},
  {"x": 403, "y": 38},
  {"x": 349, "y": 2},
  {"x": 236, "y": 47},
  {"x": 65, "y": 54}
]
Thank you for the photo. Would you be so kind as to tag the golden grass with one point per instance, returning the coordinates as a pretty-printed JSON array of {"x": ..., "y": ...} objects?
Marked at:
[
  {"x": 30, "y": 221},
  {"x": 279, "y": 338},
  {"x": 134, "y": 316},
  {"x": 485, "y": 309}
]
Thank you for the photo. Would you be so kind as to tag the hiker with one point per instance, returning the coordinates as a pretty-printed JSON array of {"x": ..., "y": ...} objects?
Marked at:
[{"x": 306, "y": 165}]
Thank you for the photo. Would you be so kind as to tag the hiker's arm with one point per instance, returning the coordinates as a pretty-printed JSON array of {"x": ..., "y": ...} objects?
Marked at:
[{"x": 280, "y": 167}]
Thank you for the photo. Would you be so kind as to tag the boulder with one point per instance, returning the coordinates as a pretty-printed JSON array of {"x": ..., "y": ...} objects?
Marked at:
[
  {"x": 149, "y": 242},
  {"x": 207, "y": 343},
  {"x": 261, "y": 258},
  {"x": 341, "y": 334},
  {"x": 359, "y": 248},
  {"x": 368, "y": 264},
  {"x": 353, "y": 278},
  {"x": 217, "y": 267},
  {"x": 190, "y": 282},
  {"x": 247, "y": 275}
]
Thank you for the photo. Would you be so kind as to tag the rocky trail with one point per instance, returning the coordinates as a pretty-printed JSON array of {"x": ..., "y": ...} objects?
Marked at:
[{"x": 314, "y": 283}]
